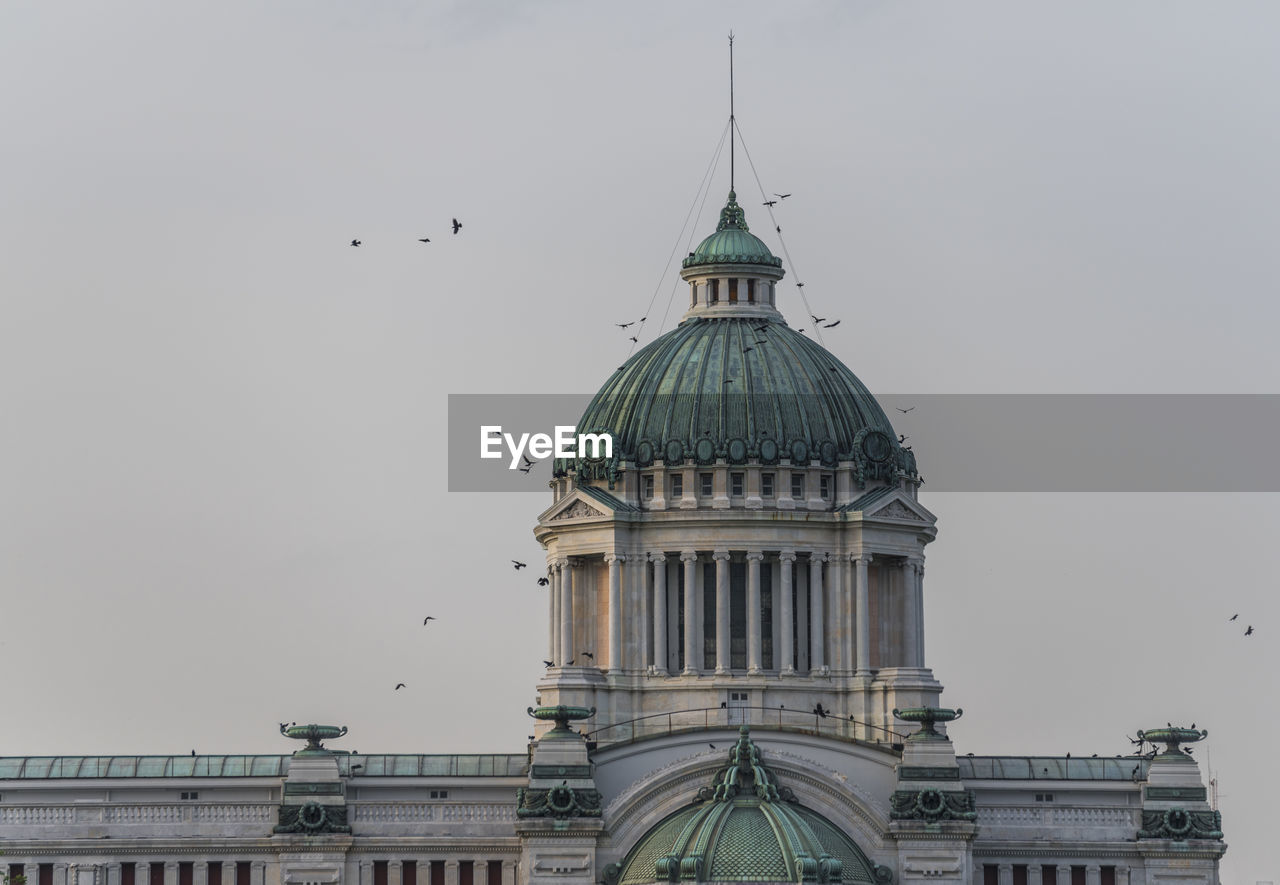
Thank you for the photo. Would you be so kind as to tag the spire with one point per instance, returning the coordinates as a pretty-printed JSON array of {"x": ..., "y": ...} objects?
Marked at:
[
  {"x": 732, "y": 216},
  {"x": 731, "y": 122}
]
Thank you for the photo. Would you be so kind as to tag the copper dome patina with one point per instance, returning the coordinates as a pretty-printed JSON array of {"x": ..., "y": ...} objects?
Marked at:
[
  {"x": 746, "y": 390},
  {"x": 746, "y": 828},
  {"x": 732, "y": 243}
]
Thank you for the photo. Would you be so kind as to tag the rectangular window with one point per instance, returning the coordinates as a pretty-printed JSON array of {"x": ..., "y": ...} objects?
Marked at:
[
  {"x": 751, "y": 291},
  {"x": 1108, "y": 876},
  {"x": 646, "y": 484},
  {"x": 157, "y": 874},
  {"x": 735, "y": 484},
  {"x": 409, "y": 872},
  {"x": 495, "y": 871},
  {"x": 439, "y": 794},
  {"x": 186, "y": 873},
  {"x": 243, "y": 872},
  {"x": 825, "y": 486},
  {"x": 705, "y": 479},
  {"x": 714, "y": 296},
  {"x": 1049, "y": 874},
  {"x": 990, "y": 874},
  {"x": 797, "y": 485},
  {"x": 437, "y": 872},
  {"x": 766, "y": 484},
  {"x": 677, "y": 485},
  {"x": 733, "y": 291},
  {"x": 379, "y": 872},
  {"x": 214, "y": 875},
  {"x": 129, "y": 870},
  {"x": 466, "y": 872},
  {"x": 1019, "y": 874},
  {"x": 1077, "y": 876},
  {"x": 190, "y": 795}
]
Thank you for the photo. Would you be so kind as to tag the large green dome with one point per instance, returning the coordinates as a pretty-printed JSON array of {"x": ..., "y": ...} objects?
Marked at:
[
  {"x": 746, "y": 829},
  {"x": 743, "y": 389}
]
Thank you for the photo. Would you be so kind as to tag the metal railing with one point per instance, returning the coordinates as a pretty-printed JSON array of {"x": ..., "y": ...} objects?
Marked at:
[{"x": 775, "y": 718}]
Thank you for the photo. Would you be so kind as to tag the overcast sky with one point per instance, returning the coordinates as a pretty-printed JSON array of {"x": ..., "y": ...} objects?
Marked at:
[{"x": 222, "y": 469}]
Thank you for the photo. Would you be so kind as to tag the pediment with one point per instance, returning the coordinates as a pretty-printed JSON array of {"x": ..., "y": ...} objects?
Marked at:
[
  {"x": 582, "y": 504},
  {"x": 900, "y": 508}
]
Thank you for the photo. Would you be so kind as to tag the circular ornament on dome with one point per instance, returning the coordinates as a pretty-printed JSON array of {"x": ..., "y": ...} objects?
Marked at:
[
  {"x": 673, "y": 453},
  {"x": 768, "y": 451},
  {"x": 877, "y": 446},
  {"x": 644, "y": 453},
  {"x": 737, "y": 450},
  {"x": 827, "y": 452},
  {"x": 799, "y": 452},
  {"x": 312, "y": 816},
  {"x": 705, "y": 451}
]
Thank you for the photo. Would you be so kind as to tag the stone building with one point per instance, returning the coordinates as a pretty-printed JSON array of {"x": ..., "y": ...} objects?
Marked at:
[{"x": 737, "y": 691}]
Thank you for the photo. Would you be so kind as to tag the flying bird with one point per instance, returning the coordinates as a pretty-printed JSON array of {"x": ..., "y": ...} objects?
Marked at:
[
  {"x": 519, "y": 565},
  {"x": 818, "y": 319},
  {"x": 543, "y": 581},
  {"x": 712, "y": 746},
  {"x": 904, "y": 411},
  {"x": 428, "y": 618},
  {"x": 769, "y": 203},
  {"x": 355, "y": 242},
  {"x": 902, "y": 438},
  {"x": 587, "y": 654},
  {"x": 782, "y": 196},
  {"x": 1249, "y": 632},
  {"x": 457, "y": 225},
  {"x": 831, "y": 325},
  {"x": 635, "y": 339},
  {"x": 193, "y": 752},
  {"x": 1233, "y": 617},
  {"x": 424, "y": 240},
  {"x": 399, "y": 685},
  {"x": 624, "y": 325},
  {"x": 549, "y": 663},
  {"x": 525, "y": 469},
  {"x": 800, "y": 285},
  {"x": 569, "y": 663}
]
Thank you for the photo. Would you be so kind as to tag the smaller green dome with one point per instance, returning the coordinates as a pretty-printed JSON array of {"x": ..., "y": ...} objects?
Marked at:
[
  {"x": 733, "y": 242},
  {"x": 745, "y": 828}
]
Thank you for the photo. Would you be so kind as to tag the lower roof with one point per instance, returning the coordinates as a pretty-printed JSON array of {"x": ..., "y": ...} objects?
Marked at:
[
  {"x": 1053, "y": 768},
  {"x": 376, "y": 765}
]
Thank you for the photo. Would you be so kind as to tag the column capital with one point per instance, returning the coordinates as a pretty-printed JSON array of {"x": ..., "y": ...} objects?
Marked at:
[
  {"x": 560, "y": 562},
  {"x": 688, "y": 555},
  {"x": 916, "y": 562},
  {"x": 657, "y": 557},
  {"x": 720, "y": 555},
  {"x": 787, "y": 556},
  {"x": 817, "y": 556},
  {"x": 615, "y": 557},
  {"x": 863, "y": 558},
  {"x": 754, "y": 555}
]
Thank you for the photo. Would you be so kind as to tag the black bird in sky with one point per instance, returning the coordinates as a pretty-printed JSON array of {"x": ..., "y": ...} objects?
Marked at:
[
  {"x": 543, "y": 581},
  {"x": 424, "y": 240},
  {"x": 904, "y": 411},
  {"x": 635, "y": 339},
  {"x": 457, "y": 225},
  {"x": 1233, "y": 617},
  {"x": 1249, "y": 632},
  {"x": 902, "y": 438},
  {"x": 428, "y": 618},
  {"x": 770, "y": 203},
  {"x": 399, "y": 685},
  {"x": 193, "y": 752},
  {"x": 549, "y": 663},
  {"x": 831, "y": 325},
  {"x": 569, "y": 663},
  {"x": 818, "y": 319},
  {"x": 587, "y": 654},
  {"x": 526, "y": 459},
  {"x": 782, "y": 196},
  {"x": 778, "y": 228},
  {"x": 800, "y": 285},
  {"x": 624, "y": 325},
  {"x": 712, "y": 746},
  {"x": 525, "y": 469},
  {"x": 518, "y": 564},
  {"x": 355, "y": 242}
]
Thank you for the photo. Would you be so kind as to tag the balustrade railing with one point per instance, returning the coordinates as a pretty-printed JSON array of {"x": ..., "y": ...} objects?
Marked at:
[{"x": 778, "y": 718}]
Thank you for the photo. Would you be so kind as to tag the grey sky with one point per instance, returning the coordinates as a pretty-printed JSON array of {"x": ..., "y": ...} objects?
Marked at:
[{"x": 222, "y": 477}]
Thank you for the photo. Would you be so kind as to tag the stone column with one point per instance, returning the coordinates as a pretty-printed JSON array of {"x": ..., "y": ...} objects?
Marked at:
[
  {"x": 659, "y": 561},
  {"x": 395, "y": 873},
  {"x": 909, "y": 641},
  {"x": 553, "y": 652},
  {"x": 615, "y": 561},
  {"x": 200, "y": 872},
  {"x": 1034, "y": 874},
  {"x": 366, "y": 874},
  {"x": 816, "y": 660},
  {"x": 691, "y": 662},
  {"x": 566, "y": 611},
  {"x": 450, "y": 872},
  {"x": 721, "y": 558},
  {"x": 1093, "y": 874},
  {"x": 919, "y": 606},
  {"x": 1064, "y": 873},
  {"x": 754, "y": 643},
  {"x": 258, "y": 872},
  {"x": 839, "y": 626},
  {"x": 508, "y": 873},
  {"x": 1006, "y": 874},
  {"x": 480, "y": 872},
  {"x": 787, "y": 652},
  {"x": 862, "y": 615}
]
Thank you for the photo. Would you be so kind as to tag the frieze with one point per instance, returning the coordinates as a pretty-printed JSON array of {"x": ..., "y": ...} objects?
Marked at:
[
  {"x": 1185, "y": 794},
  {"x": 577, "y": 510},
  {"x": 898, "y": 510},
  {"x": 933, "y": 805},
  {"x": 558, "y": 802},
  {"x": 1179, "y": 824},
  {"x": 313, "y": 819},
  {"x": 330, "y": 789},
  {"x": 928, "y": 773},
  {"x": 560, "y": 771}
]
